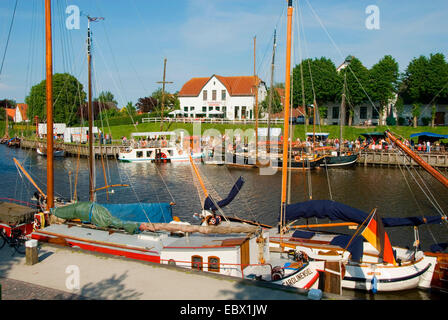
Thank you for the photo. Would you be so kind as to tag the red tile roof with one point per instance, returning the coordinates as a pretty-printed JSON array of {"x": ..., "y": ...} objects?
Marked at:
[
  {"x": 295, "y": 113},
  {"x": 11, "y": 113},
  {"x": 23, "y": 107},
  {"x": 236, "y": 86}
]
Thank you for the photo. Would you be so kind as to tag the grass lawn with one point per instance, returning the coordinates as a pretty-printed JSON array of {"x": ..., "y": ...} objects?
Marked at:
[{"x": 299, "y": 132}]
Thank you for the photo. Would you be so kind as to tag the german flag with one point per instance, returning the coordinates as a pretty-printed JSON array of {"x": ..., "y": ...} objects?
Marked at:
[{"x": 376, "y": 235}]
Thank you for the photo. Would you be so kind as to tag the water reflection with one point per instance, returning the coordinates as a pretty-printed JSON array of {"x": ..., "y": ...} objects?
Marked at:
[{"x": 362, "y": 187}]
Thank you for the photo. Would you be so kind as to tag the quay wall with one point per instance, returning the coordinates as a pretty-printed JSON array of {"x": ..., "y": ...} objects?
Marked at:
[
  {"x": 110, "y": 151},
  {"x": 366, "y": 158}
]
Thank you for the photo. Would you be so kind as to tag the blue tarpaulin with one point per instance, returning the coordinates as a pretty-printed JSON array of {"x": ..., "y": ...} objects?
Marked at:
[
  {"x": 209, "y": 205},
  {"x": 141, "y": 212},
  {"x": 429, "y": 134},
  {"x": 337, "y": 211}
]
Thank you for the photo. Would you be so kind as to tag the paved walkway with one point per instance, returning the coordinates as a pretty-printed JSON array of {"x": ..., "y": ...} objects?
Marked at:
[{"x": 106, "y": 277}]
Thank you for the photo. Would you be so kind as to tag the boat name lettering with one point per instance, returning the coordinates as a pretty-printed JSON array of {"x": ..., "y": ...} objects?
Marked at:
[{"x": 298, "y": 277}]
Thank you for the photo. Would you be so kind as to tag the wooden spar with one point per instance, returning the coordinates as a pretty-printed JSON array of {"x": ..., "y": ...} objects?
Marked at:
[
  {"x": 29, "y": 177},
  {"x": 342, "y": 113},
  {"x": 436, "y": 174},
  {"x": 256, "y": 103},
  {"x": 49, "y": 103},
  {"x": 321, "y": 225},
  {"x": 90, "y": 115},
  {"x": 286, "y": 115},
  {"x": 111, "y": 186},
  {"x": 163, "y": 93},
  {"x": 199, "y": 176},
  {"x": 271, "y": 92},
  {"x": 223, "y": 228}
]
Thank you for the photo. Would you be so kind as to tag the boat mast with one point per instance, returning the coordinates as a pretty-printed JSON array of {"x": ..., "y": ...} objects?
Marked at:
[
  {"x": 90, "y": 109},
  {"x": 271, "y": 91},
  {"x": 342, "y": 113},
  {"x": 90, "y": 112},
  {"x": 49, "y": 102},
  {"x": 163, "y": 93},
  {"x": 286, "y": 116},
  {"x": 436, "y": 174},
  {"x": 256, "y": 102}
]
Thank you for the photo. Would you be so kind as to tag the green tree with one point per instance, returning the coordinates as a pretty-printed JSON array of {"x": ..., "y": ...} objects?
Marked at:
[
  {"x": 276, "y": 102},
  {"x": 130, "y": 109},
  {"x": 383, "y": 83},
  {"x": 415, "y": 81},
  {"x": 320, "y": 81},
  {"x": 68, "y": 96},
  {"x": 357, "y": 85},
  {"x": 106, "y": 96},
  {"x": 416, "y": 112}
]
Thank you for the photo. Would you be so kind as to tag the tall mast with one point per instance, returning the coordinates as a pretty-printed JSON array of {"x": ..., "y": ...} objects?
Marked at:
[
  {"x": 286, "y": 115},
  {"x": 49, "y": 102},
  {"x": 90, "y": 113},
  {"x": 342, "y": 113},
  {"x": 163, "y": 93},
  {"x": 271, "y": 90},
  {"x": 256, "y": 102},
  {"x": 90, "y": 109}
]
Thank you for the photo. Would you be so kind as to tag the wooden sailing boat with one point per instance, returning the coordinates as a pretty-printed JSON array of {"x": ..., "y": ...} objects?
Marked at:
[{"x": 230, "y": 248}]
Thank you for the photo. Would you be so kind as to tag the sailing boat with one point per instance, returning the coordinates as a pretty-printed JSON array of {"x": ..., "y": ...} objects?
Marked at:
[{"x": 230, "y": 248}]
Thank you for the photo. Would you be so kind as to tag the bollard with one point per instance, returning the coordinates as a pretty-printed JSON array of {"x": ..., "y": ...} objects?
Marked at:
[{"x": 31, "y": 252}]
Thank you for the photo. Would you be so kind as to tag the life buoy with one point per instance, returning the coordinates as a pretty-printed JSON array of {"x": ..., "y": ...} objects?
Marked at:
[
  {"x": 163, "y": 157},
  {"x": 297, "y": 158},
  {"x": 277, "y": 273},
  {"x": 164, "y": 143}
]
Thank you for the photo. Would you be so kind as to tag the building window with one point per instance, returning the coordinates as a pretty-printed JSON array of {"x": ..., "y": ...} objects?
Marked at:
[
  {"x": 243, "y": 112},
  {"x": 204, "y": 109},
  {"x": 236, "y": 116},
  {"x": 210, "y": 108},
  {"x": 186, "y": 109},
  {"x": 196, "y": 263},
  {"x": 204, "y": 95},
  {"x": 191, "y": 108},
  {"x": 375, "y": 114},
  {"x": 224, "y": 109},
  {"x": 217, "y": 108},
  {"x": 223, "y": 95},
  {"x": 213, "y": 264},
  {"x": 335, "y": 113},
  {"x": 363, "y": 113},
  {"x": 214, "y": 95}
]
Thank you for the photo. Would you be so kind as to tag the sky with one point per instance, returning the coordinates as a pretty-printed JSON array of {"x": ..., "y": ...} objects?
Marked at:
[{"x": 200, "y": 38}]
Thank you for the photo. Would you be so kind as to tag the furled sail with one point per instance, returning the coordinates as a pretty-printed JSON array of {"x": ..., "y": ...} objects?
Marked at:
[
  {"x": 124, "y": 216},
  {"x": 210, "y": 205},
  {"x": 338, "y": 211}
]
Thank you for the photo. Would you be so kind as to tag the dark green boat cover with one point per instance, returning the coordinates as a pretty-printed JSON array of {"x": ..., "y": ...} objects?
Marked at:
[{"x": 122, "y": 216}]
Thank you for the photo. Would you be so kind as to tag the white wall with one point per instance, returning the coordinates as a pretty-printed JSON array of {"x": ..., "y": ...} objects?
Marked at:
[{"x": 195, "y": 105}]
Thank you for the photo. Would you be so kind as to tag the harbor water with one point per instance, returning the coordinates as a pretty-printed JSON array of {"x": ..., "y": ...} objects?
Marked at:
[{"x": 393, "y": 191}]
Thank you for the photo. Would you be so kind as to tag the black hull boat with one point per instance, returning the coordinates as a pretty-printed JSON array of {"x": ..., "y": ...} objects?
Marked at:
[{"x": 339, "y": 161}]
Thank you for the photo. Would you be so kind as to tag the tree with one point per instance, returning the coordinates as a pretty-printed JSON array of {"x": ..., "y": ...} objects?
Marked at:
[
  {"x": 357, "y": 84},
  {"x": 276, "y": 102},
  {"x": 320, "y": 79},
  {"x": 416, "y": 111},
  {"x": 383, "y": 83},
  {"x": 98, "y": 108},
  {"x": 415, "y": 81},
  {"x": 68, "y": 95},
  {"x": 399, "y": 108},
  {"x": 6, "y": 104},
  {"x": 146, "y": 104},
  {"x": 106, "y": 96},
  {"x": 130, "y": 109}
]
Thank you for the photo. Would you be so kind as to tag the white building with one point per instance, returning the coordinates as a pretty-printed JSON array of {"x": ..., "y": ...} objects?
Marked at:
[{"x": 217, "y": 96}]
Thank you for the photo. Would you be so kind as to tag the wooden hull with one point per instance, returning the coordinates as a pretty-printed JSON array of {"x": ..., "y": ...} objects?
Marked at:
[{"x": 339, "y": 161}]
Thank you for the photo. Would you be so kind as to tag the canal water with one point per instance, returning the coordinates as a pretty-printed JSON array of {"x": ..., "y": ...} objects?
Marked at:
[{"x": 391, "y": 190}]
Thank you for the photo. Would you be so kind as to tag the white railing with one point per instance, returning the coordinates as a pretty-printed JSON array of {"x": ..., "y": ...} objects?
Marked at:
[{"x": 213, "y": 120}]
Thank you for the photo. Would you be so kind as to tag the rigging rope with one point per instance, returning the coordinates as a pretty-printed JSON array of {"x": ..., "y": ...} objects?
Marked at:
[{"x": 9, "y": 35}]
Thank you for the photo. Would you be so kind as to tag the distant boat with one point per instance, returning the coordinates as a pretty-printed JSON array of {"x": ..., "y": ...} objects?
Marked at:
[
  {"x": 56, "y": 152},
  {"x": 158, "y": 147}
]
